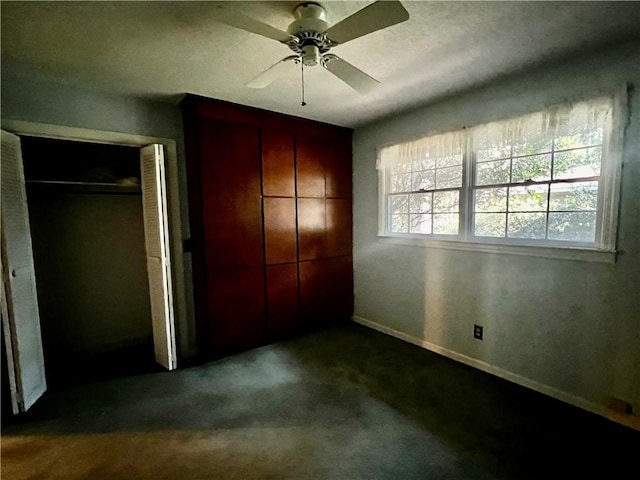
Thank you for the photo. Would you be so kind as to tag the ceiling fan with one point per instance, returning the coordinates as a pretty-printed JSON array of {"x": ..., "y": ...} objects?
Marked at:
[{"x": 310, "y": 37}]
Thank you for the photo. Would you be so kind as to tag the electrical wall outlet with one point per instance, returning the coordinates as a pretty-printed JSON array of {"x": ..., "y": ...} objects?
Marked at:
[{"x": 478, "y": 331}]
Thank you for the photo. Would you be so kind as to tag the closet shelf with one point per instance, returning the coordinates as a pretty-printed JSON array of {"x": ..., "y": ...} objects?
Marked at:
[{"x": 65, "y": 186}]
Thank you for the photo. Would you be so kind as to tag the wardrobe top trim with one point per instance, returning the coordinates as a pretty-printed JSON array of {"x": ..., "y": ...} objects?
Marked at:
[{"x": 219, "y": 110}]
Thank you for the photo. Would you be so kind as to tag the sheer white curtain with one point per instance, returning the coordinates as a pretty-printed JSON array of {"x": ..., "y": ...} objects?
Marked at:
[
  {"x": 583, "y": 118},
  {"x": 569, "y": 119},
  {"x": 400, "y": 157}
]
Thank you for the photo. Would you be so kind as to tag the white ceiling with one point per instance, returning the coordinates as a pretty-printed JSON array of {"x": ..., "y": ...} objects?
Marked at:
[{"x": 164, "y": 49}]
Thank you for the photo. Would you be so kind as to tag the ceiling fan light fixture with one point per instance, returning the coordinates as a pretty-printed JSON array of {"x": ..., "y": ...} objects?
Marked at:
[{"x": 310, "y": 55}]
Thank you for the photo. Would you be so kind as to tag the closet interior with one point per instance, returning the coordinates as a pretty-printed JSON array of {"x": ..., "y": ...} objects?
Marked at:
[{"x": 86, "y": 216}]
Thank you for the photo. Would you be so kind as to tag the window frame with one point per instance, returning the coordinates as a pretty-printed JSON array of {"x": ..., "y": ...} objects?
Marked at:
[{"x": 608, "y": 198}]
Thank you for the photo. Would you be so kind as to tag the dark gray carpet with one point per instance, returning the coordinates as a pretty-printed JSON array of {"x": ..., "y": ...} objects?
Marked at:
[{"x": 345, "y": 403}]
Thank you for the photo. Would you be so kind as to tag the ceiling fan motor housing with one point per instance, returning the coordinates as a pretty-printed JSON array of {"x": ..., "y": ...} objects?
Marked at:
[{"x": 308, "y": 40}]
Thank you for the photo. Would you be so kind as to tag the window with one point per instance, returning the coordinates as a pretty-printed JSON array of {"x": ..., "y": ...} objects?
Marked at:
[
  {"x": 424, "y": 183},
  {"x": 544, "y": 179}
]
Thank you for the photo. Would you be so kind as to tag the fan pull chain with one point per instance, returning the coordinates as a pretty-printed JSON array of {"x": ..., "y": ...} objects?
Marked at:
[{"x": 303, "y": 103}]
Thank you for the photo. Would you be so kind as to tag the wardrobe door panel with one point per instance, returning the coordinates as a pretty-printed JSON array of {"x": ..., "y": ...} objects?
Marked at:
[
  {"x": 314, "y": 296},
  {"x": 231, "y": 196},
  {"x": 311, "y": 228},
  {"x": 278, "y": 167},
  {"x": 338, "y": 169},
  {"x": 338, "y": 230},
  {"x": 339, "y": 274},
  {"x": 236, "y": 309},
  {"x": 310, "y": 155},
  {"x": 280, "y": 230},
  {"x": 282, "y": 300},
  {"x": 326, "y": 291}
]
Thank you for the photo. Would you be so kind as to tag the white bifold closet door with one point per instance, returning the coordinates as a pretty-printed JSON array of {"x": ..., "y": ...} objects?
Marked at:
[
  {"x": 20, "y": 315},
  {"x": 156, "y": 233},
  {"x": 18, "y": 295}
]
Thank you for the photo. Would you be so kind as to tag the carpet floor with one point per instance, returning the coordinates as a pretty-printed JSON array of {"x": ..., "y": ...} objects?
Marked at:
[{"x": 344, "y": 403}]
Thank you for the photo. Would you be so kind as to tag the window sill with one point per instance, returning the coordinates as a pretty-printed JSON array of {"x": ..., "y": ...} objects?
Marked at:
[{"x": 559, "y": 252}]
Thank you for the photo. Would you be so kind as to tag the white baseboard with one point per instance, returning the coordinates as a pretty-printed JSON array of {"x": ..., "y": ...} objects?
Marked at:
[{"x": 632, "y": 421}]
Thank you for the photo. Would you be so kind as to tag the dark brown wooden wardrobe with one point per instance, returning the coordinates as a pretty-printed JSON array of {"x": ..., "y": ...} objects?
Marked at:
[{"x": 270, "y": 212}]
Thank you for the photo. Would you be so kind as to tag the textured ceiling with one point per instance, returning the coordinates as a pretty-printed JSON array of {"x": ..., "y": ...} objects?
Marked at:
[{"x": 161, "y": 50}]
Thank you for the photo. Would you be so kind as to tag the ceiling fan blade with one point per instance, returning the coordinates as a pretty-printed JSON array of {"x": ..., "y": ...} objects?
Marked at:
[
  {"x": 243, "y": 22},
  {"x": 272, "y": 73},
  {"x": 352, "y": 76},
  {"x": 373, "y": 17}
]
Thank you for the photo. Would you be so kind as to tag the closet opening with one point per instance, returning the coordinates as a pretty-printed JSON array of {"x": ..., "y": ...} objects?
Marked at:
[{"x": 87, "y": 228}]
